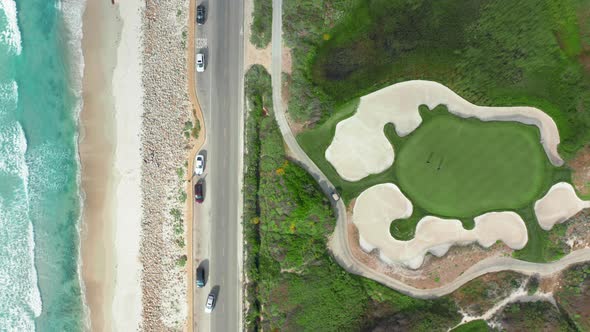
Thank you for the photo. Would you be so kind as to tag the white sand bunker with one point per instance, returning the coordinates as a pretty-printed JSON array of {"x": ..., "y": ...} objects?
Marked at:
[
  {"x": 377, "y": 206},
  {"x": 360, "y": 148},
  {"x": 558, "y": 205}
]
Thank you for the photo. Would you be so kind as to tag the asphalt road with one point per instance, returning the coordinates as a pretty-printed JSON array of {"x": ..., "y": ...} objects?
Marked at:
[{"x": 217, "y": 231}]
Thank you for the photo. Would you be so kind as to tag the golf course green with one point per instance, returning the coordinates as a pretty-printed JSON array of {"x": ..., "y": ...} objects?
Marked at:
[{"x": 464, "y": 167}]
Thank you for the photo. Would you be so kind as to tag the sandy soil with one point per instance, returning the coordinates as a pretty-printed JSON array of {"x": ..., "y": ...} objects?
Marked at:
[
  {"x": 360, "y": 148},
  {"x": 252, "y": 54},
  {"x": 111, "y": 164},
  {"x": 128, "y": 94},
  {"x": 558, "y": 205},
  {"x": 377, "y": 206},
  {"x": 101, "y": 28},
  {"x": 578, "y": 231}
]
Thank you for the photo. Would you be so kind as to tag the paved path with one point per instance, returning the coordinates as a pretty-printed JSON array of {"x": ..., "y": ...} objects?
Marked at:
[{"x": 338, "y": 244}]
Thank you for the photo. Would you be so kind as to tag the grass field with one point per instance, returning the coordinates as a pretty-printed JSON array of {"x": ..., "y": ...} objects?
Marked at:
[
  {"x": 496, "y": 53},
  {"x": 454, "y": 167},
  {"x": 479, "y": 325},
  {"x": 542, "y": 246}
]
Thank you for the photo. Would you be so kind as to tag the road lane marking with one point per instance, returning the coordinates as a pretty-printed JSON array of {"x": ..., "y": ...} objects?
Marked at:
[{"x": 201, "y": 43}]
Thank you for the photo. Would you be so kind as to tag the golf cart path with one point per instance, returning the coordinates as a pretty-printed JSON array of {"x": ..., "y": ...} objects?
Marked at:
[{"x": 338, "y": 244}]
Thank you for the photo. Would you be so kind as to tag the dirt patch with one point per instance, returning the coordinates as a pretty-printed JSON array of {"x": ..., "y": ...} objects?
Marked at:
[
  {"x": 578, "y": 231},
  {"x": 581, "y": 165},
  {"x": 550, "y": 284},
  {"x": 287, "y": 62},
  {"x": 254, "y": 55}
]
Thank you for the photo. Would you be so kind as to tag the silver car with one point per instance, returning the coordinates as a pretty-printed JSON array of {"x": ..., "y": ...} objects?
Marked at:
[
  {"x": 210, "y": 303},
  {"x": 199, "y": 164},
  {"x": 200, "y": 62}
]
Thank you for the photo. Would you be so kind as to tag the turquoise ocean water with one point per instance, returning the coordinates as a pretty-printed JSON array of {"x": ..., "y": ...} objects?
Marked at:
[{"x": 40, "y": 75}]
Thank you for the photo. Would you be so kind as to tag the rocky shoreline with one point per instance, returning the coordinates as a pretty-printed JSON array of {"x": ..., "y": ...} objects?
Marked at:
[{"x": 164, "y": 149}]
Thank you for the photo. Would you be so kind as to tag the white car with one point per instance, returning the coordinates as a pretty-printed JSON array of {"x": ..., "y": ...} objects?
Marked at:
[
  {"x": 210, "y": 303},
  {"x": 200, "y": 62},
  {"x": 199, "y": 164}
]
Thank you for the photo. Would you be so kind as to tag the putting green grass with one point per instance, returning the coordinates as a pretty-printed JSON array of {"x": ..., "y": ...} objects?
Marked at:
[{"x": 458, "y": 167}]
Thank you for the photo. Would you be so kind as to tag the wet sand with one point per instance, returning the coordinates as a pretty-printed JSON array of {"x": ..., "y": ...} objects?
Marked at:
[{"x": 102, "y": 26}]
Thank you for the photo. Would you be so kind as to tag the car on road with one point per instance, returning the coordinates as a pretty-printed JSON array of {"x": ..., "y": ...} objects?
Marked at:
[
  {"x": 199, "y": 198},
  {"x": 200, "y": 14},
  {"x": 200, "y": 62},
  {"x": 210, "y": 303},
  {"x": 200, "y": 277},
  {"x": 335, "y": 196},
  {"x": 199, "y": 164}
]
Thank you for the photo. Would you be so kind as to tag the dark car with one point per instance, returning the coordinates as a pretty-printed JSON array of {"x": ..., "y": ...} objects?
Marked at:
[
  {"x": 200, "y": 277},
  {"x": 199, "y": 192},
  {"x": 200, "y": 14}
]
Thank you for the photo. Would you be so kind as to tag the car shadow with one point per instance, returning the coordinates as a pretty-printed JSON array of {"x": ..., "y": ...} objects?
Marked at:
[{"x": 215, "y": 290}]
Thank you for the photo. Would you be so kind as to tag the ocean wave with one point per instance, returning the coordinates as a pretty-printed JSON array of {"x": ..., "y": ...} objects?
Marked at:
[
  {"x": 13, "y": 146},
  {"x": 8, "y": 97},
  {"x": 20, "y": 300},
  {"x": 11, "y": 33},
  {"x": 73, "y": 11}
]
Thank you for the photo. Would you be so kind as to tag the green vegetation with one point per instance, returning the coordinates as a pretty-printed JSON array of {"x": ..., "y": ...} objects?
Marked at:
[
  {"x": 481, "y": 294},
  {"x": 181, "y": 261},
  {"x": 490, "y": 52},
  {"x": 533, "y": 316},
  {"x": 293, "y": 283},
  {"x": 261, "y": 23},
  {"x": 186, "y": 130},
  {"x": 479, "y": 325},
  {"x": 542, "y": 246},
  {"x": 574, "y": 295},
  {"x": 196, "y": 129},
  {"x": 533, "y": 285}
]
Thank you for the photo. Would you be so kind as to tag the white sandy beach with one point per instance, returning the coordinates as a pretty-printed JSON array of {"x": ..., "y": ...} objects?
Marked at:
[
  {"x": 128, "y": 96},
  {"x": 111, "y": 165}
]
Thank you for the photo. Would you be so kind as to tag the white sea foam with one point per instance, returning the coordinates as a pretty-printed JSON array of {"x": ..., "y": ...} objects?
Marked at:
[
  {"x": 73, "y": 11},
  {"x": 10, "y": 34},
  {"x": 8, "y": 97},
  {"x": 13, "y": 146},
  {"x": 19, "y": 295}
]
